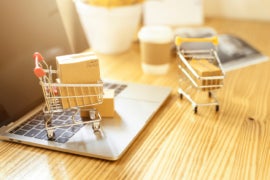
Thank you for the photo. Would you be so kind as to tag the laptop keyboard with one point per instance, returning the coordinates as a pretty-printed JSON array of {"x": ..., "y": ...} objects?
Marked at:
[{"x": 35, "y": 127}]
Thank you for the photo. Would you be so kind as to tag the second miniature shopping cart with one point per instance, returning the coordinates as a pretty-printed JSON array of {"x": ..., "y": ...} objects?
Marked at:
[
  {"x": 200, "y": 72},
  {"x": 71, "y": 97}
]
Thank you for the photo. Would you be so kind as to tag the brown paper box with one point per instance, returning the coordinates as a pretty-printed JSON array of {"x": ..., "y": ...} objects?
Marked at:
[
  {"x": 106, "y": 109},
  {"x": 206, "y": 69},
  {"x": 80, "y": 96},
  {"x": 78, "y": 69}
]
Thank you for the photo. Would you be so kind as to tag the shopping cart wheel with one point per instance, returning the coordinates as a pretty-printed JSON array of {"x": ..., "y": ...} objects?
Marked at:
[
  {"x": 195, "y": 109},
  {"x": 181, "y": 96},
  {"x": 50, "y": 134},
  {"x": 96, "y": 126},
  {"x": 92, "y": 114},
  {"x": 217, "y": 108}
]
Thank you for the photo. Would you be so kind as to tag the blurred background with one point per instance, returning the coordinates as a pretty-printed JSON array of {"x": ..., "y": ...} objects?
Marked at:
[
  {"x": 255, "y": 10},
  {"x": 238, "y": 9}
]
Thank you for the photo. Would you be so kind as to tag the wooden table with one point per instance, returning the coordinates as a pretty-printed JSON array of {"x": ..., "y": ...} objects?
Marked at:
[{"x": 176, "y": 144}]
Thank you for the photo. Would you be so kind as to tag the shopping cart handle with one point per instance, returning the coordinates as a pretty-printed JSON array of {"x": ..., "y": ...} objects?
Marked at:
[
  {"x": 39, "y": 72},
  {"x": 38, "y": 56},
  {"x": 179, "y": 40}
]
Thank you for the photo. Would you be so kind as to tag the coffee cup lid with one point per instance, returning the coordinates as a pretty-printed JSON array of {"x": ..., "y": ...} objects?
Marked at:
[{"x": 155, "y": 34}]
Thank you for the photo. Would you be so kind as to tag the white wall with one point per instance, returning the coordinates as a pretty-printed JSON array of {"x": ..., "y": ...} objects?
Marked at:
[{"x": 240, "y": 9}]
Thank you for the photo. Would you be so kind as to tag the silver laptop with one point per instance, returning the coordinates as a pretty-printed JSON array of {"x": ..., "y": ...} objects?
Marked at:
[
  {"x": 135, "y": 104},
  {"x": 21, "y": 98}
]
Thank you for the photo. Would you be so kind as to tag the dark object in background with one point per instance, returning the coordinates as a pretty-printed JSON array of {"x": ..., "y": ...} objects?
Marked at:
[{"x": 27, "y": 26}]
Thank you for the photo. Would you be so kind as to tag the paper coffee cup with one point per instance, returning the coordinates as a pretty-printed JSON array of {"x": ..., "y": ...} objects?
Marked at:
[{"x": 155, "y": 46}]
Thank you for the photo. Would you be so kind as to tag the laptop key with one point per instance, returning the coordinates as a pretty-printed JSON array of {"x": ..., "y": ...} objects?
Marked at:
[
  {"x": 34, "y": 122},
  {"x": 40, "y": 126},
  {"x": 32, "y": 133},
  {"x": 27, "y": 127},
  {"x": 20, "y": 132},
  {"x": 75, "y": 128},
  {"x": 58, "y": 132},
  {"x": 64, "y": 117},
  {"x": 42, "y": 135},
  {"x": 62, "y": 139}
]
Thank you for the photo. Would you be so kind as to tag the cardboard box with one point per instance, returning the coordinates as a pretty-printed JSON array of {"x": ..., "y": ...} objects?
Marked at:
[
  {"x": 73, "y": 96},
  {"x": 78, "y": 68},
  {"x": 106, "y": 109},
  {"x": 206, "y": 69},
  {"x": 79, "y": 72}
]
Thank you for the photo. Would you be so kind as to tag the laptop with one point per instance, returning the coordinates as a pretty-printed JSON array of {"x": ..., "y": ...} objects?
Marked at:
[
  {"x": 21, "y": 98},
  {"x": 135, "y": 105}
]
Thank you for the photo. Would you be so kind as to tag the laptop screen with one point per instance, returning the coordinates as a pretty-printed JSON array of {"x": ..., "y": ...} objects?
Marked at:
[{"x": 26, "y": 27}]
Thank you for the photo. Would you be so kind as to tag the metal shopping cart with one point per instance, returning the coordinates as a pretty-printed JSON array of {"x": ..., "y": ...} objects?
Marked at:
[
  {"x": 70, "y": 97},
  {"x": 200, "y": 72}
]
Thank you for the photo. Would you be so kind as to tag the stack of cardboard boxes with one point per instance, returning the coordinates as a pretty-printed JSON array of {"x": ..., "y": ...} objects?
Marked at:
[{"x": 82, "y": 86}]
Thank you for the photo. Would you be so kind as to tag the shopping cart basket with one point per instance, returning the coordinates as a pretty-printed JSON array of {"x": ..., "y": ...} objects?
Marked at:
[
  {"x": 74, "y": 96},
  {"x": 200, "y": 72}
]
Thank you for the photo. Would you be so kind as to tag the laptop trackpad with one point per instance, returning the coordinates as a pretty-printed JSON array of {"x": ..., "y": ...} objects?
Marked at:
[
  {"x": 118, "y": 132},
  {"x": 145, "y": 92}
]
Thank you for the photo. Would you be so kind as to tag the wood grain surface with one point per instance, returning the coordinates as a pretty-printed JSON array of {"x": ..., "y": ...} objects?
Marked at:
[{"x": 176, "y": 144}]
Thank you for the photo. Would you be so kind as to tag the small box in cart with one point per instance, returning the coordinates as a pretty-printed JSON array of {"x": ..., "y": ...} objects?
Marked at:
[
  {"x": 206, "y": 69},
  {"x": 106, "y": 109},
  {"x": 78, "y": 69}
]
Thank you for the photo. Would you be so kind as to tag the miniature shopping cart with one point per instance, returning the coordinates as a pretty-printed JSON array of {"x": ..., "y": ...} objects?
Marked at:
[
  {"x": 201, "y": 72},
  {"x": 61, "y": 97}
]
